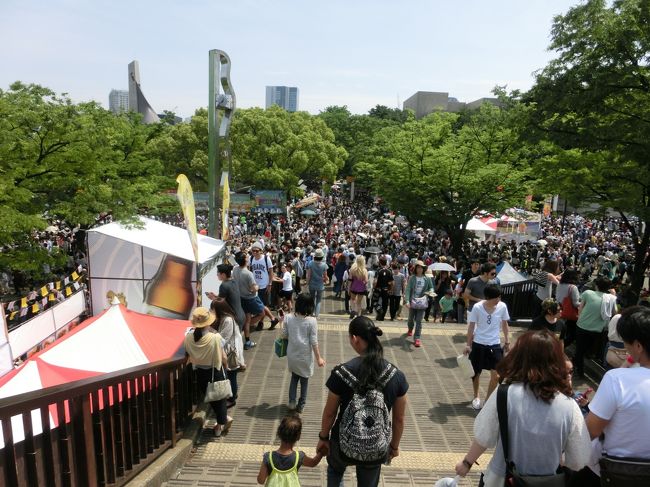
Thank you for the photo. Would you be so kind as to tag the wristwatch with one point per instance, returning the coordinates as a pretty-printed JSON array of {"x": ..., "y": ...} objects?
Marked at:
[{"x": 323, "y": 438}]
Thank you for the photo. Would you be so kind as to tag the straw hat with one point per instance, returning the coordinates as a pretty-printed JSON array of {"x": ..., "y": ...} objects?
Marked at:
[
  {"x": 421, "y": 264},
  {"x": 202, "y": 317}
]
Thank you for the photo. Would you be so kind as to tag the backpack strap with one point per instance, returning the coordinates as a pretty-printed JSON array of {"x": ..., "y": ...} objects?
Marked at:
[
  {"x": 386, "y": 376},
  {"x": 346, "y": 376}
]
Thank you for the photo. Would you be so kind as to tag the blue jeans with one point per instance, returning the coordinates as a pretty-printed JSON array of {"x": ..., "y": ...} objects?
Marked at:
[
  {"x": 232, "y": 377},
  {"x": 317, "y": 296},
  {"x": 367, "y": 476},
  {"x": 415, "y": 319},
  {"x": 293, "y": 389}
]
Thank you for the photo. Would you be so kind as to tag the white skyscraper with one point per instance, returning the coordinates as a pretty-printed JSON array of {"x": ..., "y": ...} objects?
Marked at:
[{"x": 118, "y": 101}]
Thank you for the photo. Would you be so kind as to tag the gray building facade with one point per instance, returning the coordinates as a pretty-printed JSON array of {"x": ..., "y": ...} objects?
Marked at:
[
  {"x": 425, "y": 102},
  {"x": 118, "y": 101},
  {"x": 283, "y": 96}
]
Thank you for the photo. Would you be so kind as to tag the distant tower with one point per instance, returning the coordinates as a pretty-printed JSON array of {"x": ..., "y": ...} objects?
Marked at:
[
  {"x": 118, "y": 101},
  {"x": 137, "y": 101},
  {"x": 283, "y": 96}
]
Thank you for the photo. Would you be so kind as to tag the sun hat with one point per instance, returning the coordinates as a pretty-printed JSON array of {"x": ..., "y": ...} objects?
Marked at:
[
  {"x": 257, "y": 245},
  {"x": 319, "y": 254},
  {"x": 421, "y": 264},
  {"x": 202, "y": 317}
]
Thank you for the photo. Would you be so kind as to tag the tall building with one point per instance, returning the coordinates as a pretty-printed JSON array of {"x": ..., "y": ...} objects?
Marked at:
[
  {"x": 283, "y": 96},
  {"x": 118, "y": 101},
  {"x": 137, "y": 101}
]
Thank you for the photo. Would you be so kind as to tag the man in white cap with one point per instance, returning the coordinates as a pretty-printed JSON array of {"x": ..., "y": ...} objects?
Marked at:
[{"x": 262, "y": 269}]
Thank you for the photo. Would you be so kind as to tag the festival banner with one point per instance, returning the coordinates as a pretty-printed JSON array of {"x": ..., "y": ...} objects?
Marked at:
[
  {"x": 269, "y": 201},
  {"x": 186, "y": 199}
]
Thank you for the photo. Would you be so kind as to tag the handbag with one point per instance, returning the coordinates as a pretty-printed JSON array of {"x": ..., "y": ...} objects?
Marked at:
[
  {"x": 280, "y": 346},
  {"x": 628, "y": 472},
  {"x": 232, "y": 357},
  {"x": 220, "y": 389},
  {"x": 419, "y": 303},
  {"x": 569, "y": 312},
  {"x": 513, "y": 477}
]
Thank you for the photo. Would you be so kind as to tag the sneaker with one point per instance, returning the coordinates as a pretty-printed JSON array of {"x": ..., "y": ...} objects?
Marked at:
[
  {"x": 409, "y": 333},
  {"x": 274, "y": 323},
  {"x": 352, "y": 314},
  {"x": 300, "y": 408},
  {"x": 227, "y": 426},
  {"x": 260, "y": 326},
  {"x": 292, "y": 405},
  {"x": 417, "y": 342},
  {"x": 249, "y": 344},
  {"x": 476, "y": 403},
  {"x": 218, "y": 430}
]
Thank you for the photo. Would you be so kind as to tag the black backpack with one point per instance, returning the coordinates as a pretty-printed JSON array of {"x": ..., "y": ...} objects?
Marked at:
[{"x": 365, "y": 431}]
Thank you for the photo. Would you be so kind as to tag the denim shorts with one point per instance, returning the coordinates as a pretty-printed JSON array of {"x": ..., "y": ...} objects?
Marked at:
[{"x": 253, "y": 306}]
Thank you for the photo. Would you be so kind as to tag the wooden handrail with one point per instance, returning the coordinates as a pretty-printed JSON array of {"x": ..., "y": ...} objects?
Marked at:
[
  {"x": 13, "y": 405},
  {"x": 109, "y": 428}
]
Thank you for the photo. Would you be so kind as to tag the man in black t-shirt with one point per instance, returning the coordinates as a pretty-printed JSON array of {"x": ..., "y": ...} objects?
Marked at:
[
  {"x": 383, "y": 286},
  {"x": 473, "y": 271}
]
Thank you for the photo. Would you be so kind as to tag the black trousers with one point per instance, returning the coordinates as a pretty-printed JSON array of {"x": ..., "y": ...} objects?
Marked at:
[
  {"x": 585, "y": 341},
  {"x": 394, "y": 305},
  {"x": 203, "y": 376},
  {"x": 383, "y": 303}
]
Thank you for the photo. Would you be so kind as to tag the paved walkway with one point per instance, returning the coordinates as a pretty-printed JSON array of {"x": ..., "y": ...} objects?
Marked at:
[{"x": 439, "y": 416}]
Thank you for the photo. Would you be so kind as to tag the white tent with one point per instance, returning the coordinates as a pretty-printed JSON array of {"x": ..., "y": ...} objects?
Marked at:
[
  {"x": 508, "y": 275},
  {"x": 476, "y": 225},
  {"x": 132, "y": 261}
]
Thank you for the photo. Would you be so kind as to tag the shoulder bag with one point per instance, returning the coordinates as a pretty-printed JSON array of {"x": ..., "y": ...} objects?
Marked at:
[
  {"x": 624, "y": 472},
  {"x": 280, "y": 344},
  {"x": 220, "y": 389},
  {"x": 232, "y": 356},
  {"x": 569, "y": 312},
  {"x": 513, "y": 478}
]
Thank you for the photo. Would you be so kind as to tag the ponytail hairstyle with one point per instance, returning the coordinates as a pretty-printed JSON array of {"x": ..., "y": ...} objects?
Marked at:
[{"x": 373, "y": 360}]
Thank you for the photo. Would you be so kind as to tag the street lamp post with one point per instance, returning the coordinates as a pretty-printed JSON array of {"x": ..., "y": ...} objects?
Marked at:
[{"x": 221, "y": 107}]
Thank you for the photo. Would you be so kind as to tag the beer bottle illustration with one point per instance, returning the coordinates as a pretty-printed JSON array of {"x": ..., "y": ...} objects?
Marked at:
[{"x": 169, "y": 294}]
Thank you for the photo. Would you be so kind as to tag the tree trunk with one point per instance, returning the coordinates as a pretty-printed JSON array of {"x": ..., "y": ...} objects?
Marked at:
[
  {"x": 457, "y": 238},
  {"x": 641, "y": 261}
]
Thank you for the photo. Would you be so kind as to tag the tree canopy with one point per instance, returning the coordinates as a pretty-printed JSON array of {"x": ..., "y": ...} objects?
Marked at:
[
  {"x": 67, "y": 161},
  {"x": 442, "y": 176},
  {"x": 593, "y": 103},
  {"x": 273, "y": 149}
]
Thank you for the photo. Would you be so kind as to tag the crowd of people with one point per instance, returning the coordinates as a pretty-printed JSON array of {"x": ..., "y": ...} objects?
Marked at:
[{"x": 377, "y": 267}]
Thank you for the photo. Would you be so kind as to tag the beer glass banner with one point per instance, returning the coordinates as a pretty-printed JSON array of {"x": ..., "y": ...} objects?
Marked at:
[{"x": 269, "y": 201}]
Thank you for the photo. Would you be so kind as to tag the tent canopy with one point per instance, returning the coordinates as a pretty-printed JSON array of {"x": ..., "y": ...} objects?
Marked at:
[
  {"x": 508, "y": 274},
  {"x": 116, "y": 339},
  {"x": 163, "y": 238},
  {"x": 476, "y": 225}
]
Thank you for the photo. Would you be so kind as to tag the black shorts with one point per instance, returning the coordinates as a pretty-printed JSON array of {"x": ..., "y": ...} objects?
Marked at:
[
  {"x": 286, "y": 294},
  {"x": 485, "y": 357}
]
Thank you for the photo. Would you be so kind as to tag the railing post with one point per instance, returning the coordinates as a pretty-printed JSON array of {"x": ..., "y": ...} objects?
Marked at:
[
  {"x": 84, "y": 442},
  {"x": 11, "y": 475}
]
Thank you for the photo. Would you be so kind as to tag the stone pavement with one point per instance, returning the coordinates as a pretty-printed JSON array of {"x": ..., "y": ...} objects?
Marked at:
[{"x": 439, "y": 417}]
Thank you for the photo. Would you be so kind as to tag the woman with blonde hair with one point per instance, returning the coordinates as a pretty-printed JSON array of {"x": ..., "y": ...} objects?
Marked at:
[{"x": 359, "y": 280}]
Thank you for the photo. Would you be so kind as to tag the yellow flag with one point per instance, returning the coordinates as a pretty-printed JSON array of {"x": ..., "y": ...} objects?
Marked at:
[
  {"x": 224, "y": 211},
  {"x": 186, "y": 199}
]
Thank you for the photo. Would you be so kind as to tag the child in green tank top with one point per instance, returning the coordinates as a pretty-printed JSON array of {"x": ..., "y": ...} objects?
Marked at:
[{"x": 280, "y": 467}]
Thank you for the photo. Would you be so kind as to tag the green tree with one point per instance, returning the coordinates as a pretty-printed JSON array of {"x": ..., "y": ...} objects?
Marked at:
[
  {"x": 393, "y": 114},
  {"x": 274, "y": 148},
  {"x": 442, "y": 176},
  {"x": 67, "y": 161},
  {"x": 593, "y": 102},
  {"x": 183, "y": 149},
  {"x": 354, "y": 133}
]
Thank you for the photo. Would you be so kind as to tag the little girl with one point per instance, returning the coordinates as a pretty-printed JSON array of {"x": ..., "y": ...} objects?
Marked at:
[
  {"x": 280, "y": 467},
  {"x": 302, "y": 331}
]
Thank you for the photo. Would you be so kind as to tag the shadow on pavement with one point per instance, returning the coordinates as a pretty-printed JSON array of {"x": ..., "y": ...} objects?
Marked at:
[
  {"x": 447, "y": 363},
  {"x": 266, "y": 411},
  {"x": 402, "y": 341},
  {"x": 440, "y": 414}
]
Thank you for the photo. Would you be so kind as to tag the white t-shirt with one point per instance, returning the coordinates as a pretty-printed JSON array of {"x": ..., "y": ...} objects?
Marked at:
[
  {"x": 286, "y": 282},
  {"x": 488, "y": 325},
  {"x": 261, "y": 270},
  {"x": 623, "y": 398}
]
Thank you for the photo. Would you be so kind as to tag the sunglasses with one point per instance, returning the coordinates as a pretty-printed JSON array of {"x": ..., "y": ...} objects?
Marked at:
[{"x": 493, "y": 274}]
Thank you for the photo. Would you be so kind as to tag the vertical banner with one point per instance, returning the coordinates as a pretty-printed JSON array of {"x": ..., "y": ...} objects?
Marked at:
[
  {"x": 225, "y": 207},
  {"x": 547, "y": 206},
  {"x": 186, "y": 199}
]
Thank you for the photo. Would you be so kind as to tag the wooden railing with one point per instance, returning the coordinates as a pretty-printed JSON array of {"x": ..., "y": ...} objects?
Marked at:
[{"x": 109, "y": 427}]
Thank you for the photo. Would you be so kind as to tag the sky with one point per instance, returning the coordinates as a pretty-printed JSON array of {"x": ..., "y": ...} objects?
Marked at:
[{"x": 358, "y": 53}]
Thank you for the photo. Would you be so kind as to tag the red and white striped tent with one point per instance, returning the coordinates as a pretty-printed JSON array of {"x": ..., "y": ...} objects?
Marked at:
[{"x": 114, "y": 340}]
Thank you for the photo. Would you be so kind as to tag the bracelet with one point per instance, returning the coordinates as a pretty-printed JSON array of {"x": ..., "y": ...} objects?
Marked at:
[
  {"x": 467, "y": 464},
  {"x": 323, "y": 438}
]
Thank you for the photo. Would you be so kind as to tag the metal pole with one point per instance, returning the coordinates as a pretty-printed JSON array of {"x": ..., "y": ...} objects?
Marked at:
[{"x": 220, "y": 110}]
